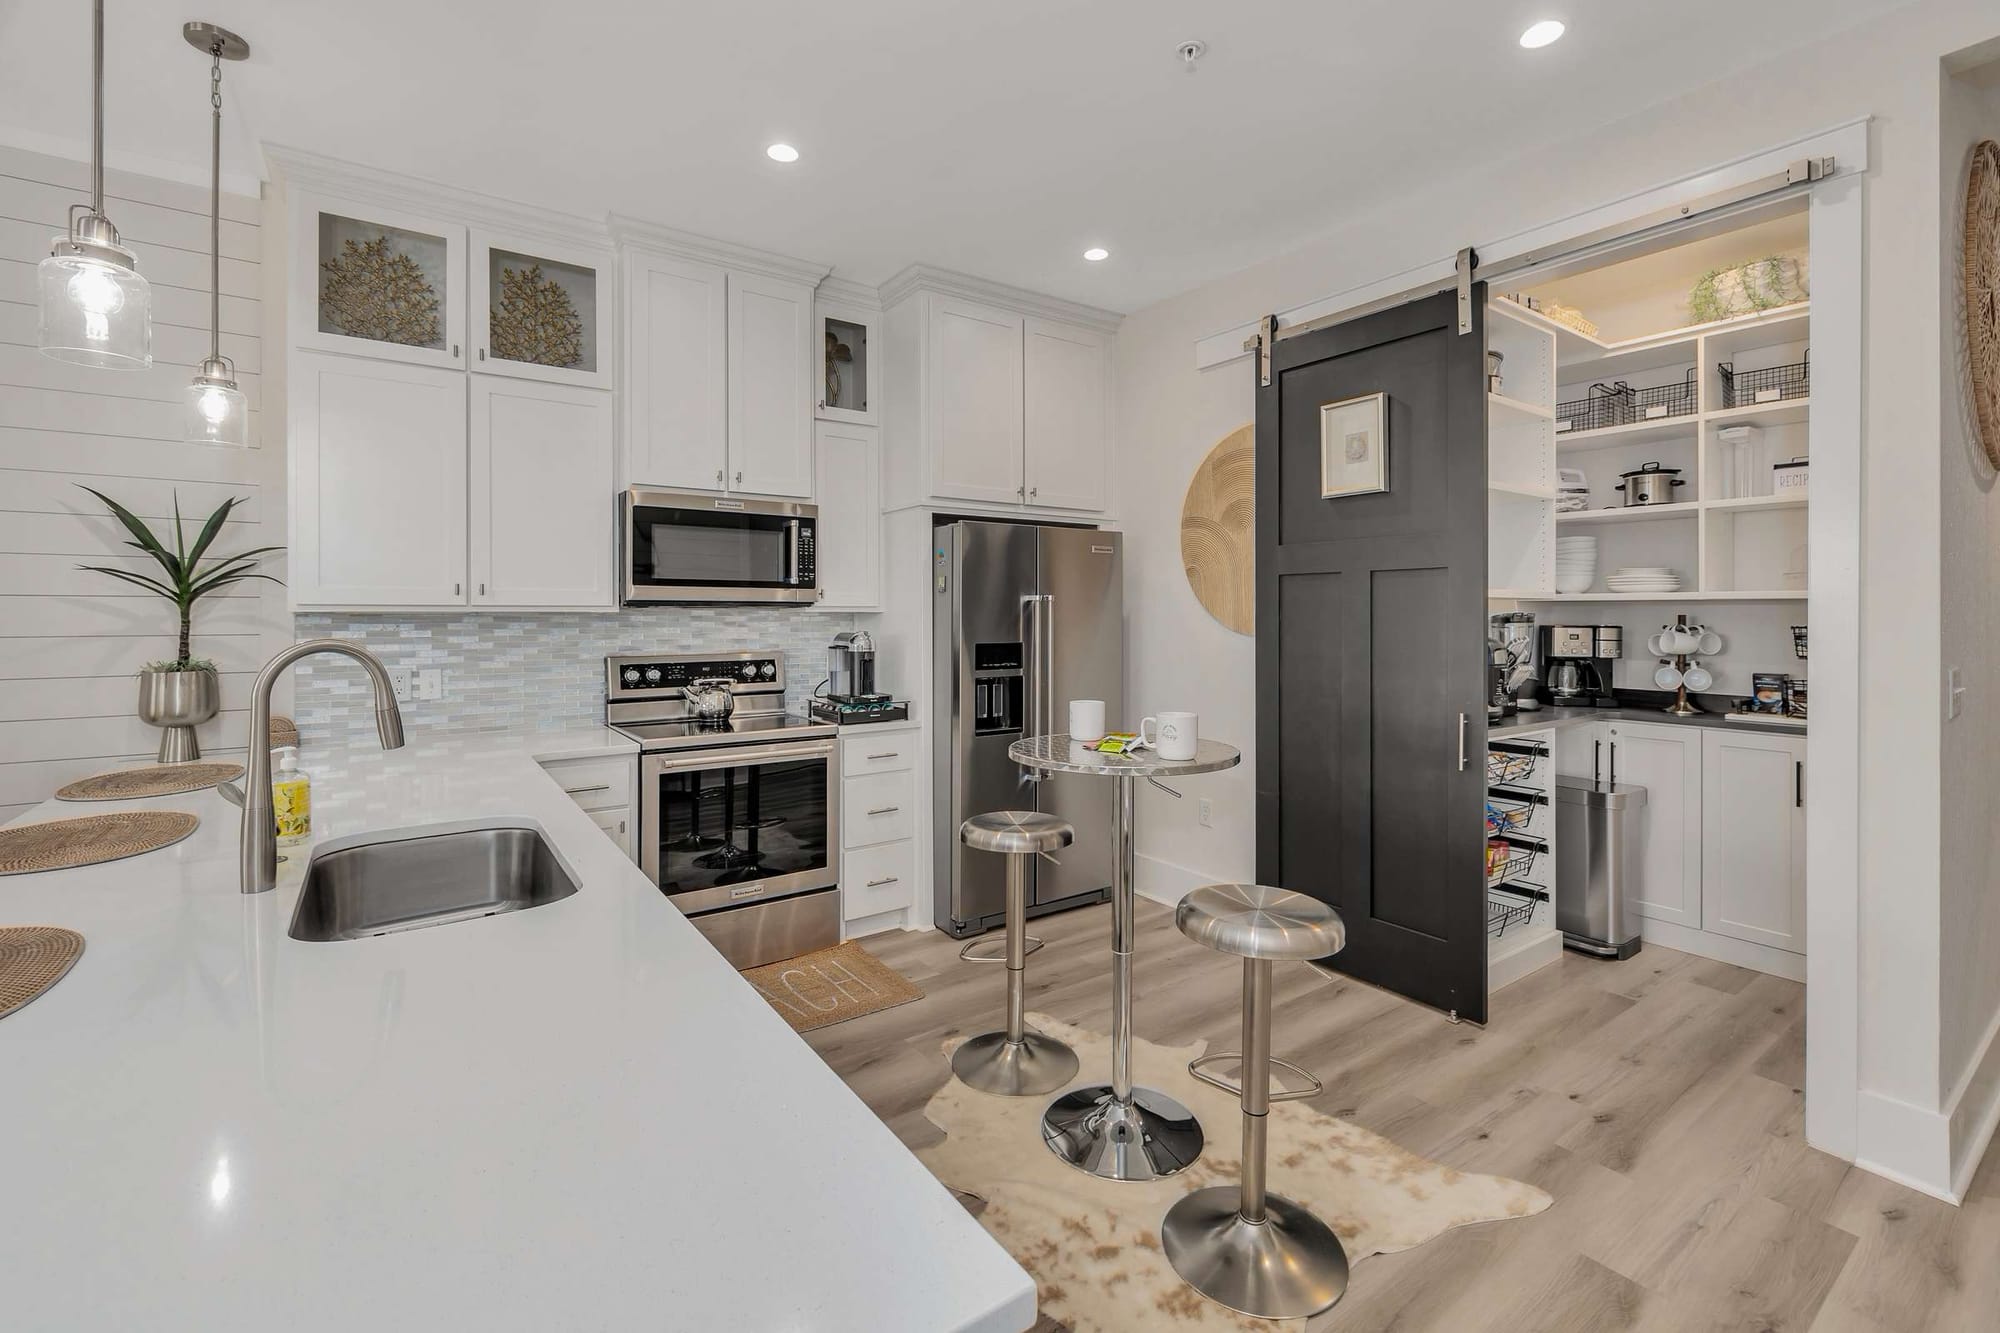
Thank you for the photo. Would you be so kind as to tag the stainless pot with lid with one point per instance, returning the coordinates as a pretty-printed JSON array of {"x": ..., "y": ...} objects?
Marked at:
[{"x": 1650, "y": 485}]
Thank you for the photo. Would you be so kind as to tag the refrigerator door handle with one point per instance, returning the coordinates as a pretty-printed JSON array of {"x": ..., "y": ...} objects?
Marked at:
[{"x": 1034, "y": 634}]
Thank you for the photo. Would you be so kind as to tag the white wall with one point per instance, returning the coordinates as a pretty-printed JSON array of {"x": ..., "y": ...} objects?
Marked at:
[
  {"x": 1969, "y": 983},
  {"x": 71, "y": 641},
  {"x": 1169, "y": 414}
]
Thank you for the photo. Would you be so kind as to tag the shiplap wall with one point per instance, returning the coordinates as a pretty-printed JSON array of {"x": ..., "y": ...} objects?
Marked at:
[{"x": 71, "y": 641}]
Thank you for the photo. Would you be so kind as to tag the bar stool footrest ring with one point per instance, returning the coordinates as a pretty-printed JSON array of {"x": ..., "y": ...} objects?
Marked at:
[
  {"x": 1235, "y": 1087},
  {"x": 966, "y": 952}
]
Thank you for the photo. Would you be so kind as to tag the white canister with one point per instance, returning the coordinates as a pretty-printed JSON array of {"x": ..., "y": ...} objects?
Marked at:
[
  {"x": 1171, "y": 735},
  {"x": 1086, "y": 719}
]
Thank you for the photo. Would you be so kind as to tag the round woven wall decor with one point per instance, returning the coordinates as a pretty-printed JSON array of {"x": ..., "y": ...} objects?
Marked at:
[
  {"x": 1219, "y": 531},
  {"x": 1981, "y": 265}
]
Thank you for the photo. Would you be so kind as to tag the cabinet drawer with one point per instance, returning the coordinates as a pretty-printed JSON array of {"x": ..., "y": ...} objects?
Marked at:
[
  {"x": 887, "y": 753},
  {"x": 877, "y": 807},
  {"x": 594, "y": 784},
  {"x": 617, "y": 826},
  {"x": 877, "y": 879}
]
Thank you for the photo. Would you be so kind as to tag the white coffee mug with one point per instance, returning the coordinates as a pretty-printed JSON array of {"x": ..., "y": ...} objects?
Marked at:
[
  {"x": 1086, "y": 719},
  {"x": 1171, "y": 735}
]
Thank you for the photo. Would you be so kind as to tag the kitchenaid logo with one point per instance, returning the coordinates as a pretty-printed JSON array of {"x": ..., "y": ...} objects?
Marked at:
[{"x": 747, "y": 890}]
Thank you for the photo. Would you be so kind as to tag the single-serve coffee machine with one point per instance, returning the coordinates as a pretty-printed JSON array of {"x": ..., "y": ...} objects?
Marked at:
[
  {"x": 851, "y": 667},
  {"x": 1577, "y": 664}
]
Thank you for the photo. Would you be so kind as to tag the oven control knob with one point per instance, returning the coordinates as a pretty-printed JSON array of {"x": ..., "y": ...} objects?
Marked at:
[
  {"x": 769, "y": 671},
  {"x": 652, "y": 675},
  {"x": 631, "y": 675},
  {"x": 749, "y": 671}
]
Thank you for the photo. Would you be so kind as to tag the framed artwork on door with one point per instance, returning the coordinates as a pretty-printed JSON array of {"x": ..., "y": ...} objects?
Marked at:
[{"x": 1354, "y": 446}]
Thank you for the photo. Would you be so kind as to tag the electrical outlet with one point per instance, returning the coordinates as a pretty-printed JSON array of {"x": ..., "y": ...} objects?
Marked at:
[
  {"x": 1205, "y": 813},
  {"x": 400, "y": 682}
]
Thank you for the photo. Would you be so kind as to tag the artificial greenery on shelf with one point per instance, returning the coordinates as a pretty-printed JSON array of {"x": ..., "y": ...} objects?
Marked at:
[{"x": 186, "y": 581}]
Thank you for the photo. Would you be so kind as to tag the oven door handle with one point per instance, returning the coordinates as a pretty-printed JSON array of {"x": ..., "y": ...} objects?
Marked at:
[{"x": 744, "y": 758}]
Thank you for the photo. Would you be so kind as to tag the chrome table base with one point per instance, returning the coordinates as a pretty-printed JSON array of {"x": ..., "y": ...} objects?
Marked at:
[
  {"x": 1145, "y": 1135},
  {"x": 997, "y": 1063},
  {"x": 1288, "y": 1266}
]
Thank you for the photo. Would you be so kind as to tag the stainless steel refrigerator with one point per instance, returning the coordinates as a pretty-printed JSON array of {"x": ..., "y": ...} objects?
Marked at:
[{"x": 1024, "y": 619}]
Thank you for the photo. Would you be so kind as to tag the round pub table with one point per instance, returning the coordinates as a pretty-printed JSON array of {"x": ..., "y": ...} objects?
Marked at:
[{"x": 1115, "y": 1130}]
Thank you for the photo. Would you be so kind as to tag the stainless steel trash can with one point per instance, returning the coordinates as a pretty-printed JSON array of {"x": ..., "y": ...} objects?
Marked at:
[{"x": 1596, "y": 866}]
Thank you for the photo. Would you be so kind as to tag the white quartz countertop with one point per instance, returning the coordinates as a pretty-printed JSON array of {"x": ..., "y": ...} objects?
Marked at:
[{"x": 572, "y": 1117}]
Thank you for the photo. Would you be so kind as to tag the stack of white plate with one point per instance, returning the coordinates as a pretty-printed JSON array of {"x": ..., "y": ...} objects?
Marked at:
[
  {"x": 1576, "y": 563},
  {"x": 1643, "y": 578}
]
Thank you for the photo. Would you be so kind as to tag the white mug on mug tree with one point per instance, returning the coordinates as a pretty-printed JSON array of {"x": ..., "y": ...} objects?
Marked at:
[
  {"x": 1086, "y": 719},
  {"x": 1171, "y": 735}
]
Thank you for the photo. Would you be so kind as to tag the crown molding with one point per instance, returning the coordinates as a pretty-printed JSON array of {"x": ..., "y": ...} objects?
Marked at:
[
  {"x": 331, "y": 175},
  {"x": 923, "y": 277},
  {"x": 847, "y": 291},
  {"x": 637, "y": 232}
]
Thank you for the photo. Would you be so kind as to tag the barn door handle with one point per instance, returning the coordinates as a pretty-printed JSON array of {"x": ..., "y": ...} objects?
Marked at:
[{"x": 1461, "y": 742}]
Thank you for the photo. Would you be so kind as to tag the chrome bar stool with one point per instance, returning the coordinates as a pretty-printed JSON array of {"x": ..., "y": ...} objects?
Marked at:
[
  {"x": 1239, "y": 1245},
  {"x": 1016, "y": 1062}
]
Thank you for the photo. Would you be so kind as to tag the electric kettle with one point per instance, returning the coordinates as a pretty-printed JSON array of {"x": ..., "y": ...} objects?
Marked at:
[{"x": 710, "y": 699}]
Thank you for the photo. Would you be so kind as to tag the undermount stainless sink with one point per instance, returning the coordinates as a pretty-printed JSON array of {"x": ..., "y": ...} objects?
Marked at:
[{"x": 405, "y": 879}]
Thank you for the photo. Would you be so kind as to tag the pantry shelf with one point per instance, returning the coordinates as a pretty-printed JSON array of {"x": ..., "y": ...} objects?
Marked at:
[{"x": 1629, "y": 514}]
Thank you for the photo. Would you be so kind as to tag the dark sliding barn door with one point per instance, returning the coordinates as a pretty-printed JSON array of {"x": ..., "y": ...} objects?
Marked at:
[{"x": 1371, "y": 609}]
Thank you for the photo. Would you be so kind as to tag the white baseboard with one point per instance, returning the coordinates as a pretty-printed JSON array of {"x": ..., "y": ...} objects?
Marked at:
[
  {"x": 1905, "y": 1143},
  {"x": 1167, "y": 883},
  {"x": 1723, "y": 949},
  {"x": 1973, "y": 1109},
  {"x": 896, "y": 918}
]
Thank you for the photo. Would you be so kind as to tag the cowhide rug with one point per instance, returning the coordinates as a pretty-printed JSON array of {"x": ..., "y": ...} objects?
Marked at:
[{"x": 1093, "y": 1246}]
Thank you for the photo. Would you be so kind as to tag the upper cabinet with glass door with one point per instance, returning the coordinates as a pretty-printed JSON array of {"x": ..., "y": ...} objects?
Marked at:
[
  {"x": 851, "y": 377},
  {"x": 375, "y": 281},
  {"x": 541, "y": 311}
]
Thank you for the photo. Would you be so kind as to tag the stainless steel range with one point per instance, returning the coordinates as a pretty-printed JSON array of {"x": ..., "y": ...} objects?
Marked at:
[{"x": 739, "y": 820}]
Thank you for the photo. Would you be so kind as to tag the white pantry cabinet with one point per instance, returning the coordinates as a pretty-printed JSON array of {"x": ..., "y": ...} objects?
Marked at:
[
  {"x": 772, "y": 386},
  {"x": 1065, "y": 428},
  {"x": 378, "y": 482},
  {"x": 1665, "y": 759},
  {"x": 677, "y": 375},
  {"x": 1753, "y": 838},
  {"x": 972, "y": 409},
  {"x": 849, "y": 491},
  {"x": 540, "y": 464}
]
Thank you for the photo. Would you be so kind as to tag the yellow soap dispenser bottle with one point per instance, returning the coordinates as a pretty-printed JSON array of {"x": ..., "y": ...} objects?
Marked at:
[{"x": 291, "y": 798}]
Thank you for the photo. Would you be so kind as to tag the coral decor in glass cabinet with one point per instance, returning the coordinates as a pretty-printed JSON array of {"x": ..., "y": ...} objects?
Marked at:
[
  {"x": 850, "y": 386},
  {"x": 379, "y": 282},
  {"x": 541, "y": 311}
]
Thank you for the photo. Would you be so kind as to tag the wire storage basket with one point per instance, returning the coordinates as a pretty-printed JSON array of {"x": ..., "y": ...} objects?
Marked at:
[
  {"x": 1773, "y": 384},
  {"x": 1798, "y": 649},
  {"x": 1665, "y": 400},
  {"x": 1505, "y": 910},
  {"x": 1505, "y": 769},
  {"x": 1606, "y": 405},
  {"x": 1505, "y": 861}
]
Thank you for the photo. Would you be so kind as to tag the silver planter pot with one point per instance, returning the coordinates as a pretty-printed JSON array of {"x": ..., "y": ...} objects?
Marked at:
[{"x": 178, "y": 701}]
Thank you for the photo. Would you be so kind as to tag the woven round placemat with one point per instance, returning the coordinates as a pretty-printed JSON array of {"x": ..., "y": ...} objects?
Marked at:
[
  {"x": 61, "y": 844},
  {"x": 154, "y": 780},
  {"x": 32, "y": 959}
]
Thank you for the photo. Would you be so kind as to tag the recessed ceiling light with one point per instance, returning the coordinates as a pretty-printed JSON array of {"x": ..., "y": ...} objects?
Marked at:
[
  {"x": 1095, "y": 253},
  {"x": 784, "y": 152},
  {"x": 1542, "y": 34}
]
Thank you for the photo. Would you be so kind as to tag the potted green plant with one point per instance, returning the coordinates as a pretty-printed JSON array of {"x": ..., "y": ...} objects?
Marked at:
[{"x": 181, "y": 694}]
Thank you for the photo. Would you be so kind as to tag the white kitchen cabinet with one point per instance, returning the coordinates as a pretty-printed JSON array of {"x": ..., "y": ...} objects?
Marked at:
[
  {"x": 973, "y": 402},
  {"x": 1579, "y": 747},
  {"x": 1665, "y": 759},
  {"x": 849, "y": 348},
  {"x": 375, "y": 281},
  {"x": 676, "y": 374},
  {"x": 604, "y": 790},
  {"x": 1066, "y": 436},
  {"x": 540, "y": 471},
  {"x": 1753, "y": 838},
  {"x": 540, "y": 311},
  {"x": 847, "y": 460},
  {"x": 772, "y": 385},
  {"x": 878, "y": 854},
  {"x": 378, "y": 482}
]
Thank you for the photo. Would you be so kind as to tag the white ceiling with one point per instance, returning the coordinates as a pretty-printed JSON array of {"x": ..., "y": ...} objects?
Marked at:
[{"x": 996, "y": 138}]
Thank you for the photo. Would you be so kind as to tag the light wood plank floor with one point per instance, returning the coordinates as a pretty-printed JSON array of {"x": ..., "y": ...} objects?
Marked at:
[{"x": 1657, "y": 1099}]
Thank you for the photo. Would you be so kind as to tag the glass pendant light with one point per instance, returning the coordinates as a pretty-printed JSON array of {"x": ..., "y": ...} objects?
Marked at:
[
  {"x": 216, "y": 410},
  {"x": 95, "y": 308}
]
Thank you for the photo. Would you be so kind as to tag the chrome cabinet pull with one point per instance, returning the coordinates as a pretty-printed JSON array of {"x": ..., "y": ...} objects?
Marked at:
[
  {"x": 482, "y": 590},
  {"x": 893, "y": 754},
  {"x": 1596, "y": 762},
  {"x": 482, "y": 354},
  {"x": 739, "y": 479},
  {"x": 718, "y": 476},
  {"x": 458, "y": 590},
  {"x": 878, "y": 883},
  {"x": 886, "y": 810},
  {"x": 454, "y": 349},
  {"x": 579, "y": 791},
  {"x": 1461, "y": 742}
]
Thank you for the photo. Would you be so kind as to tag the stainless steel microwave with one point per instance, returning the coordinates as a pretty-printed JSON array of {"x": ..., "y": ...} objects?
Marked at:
[{"x": 683, "y": 546}]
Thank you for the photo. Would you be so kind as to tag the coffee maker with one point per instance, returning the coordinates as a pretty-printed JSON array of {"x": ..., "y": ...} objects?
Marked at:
[
  {"x": 851, "y": 696},
  {"x": 1577, "y": 664}
]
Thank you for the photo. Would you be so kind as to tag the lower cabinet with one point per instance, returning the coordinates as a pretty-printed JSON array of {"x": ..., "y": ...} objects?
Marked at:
[
  {"x": 878, "y": 800},
  {"x": 1753, "y": 838},
  {"x": 1665, "y": 759},
  {"x": 605, "y": 790}
]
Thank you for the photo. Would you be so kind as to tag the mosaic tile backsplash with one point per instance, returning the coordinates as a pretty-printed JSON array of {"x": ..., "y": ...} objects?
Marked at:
[{"x": 542, "y": 670}]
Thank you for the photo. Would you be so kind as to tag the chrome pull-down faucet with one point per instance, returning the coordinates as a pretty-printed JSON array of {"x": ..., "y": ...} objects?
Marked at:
[{"x": 260, "y": 823}]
